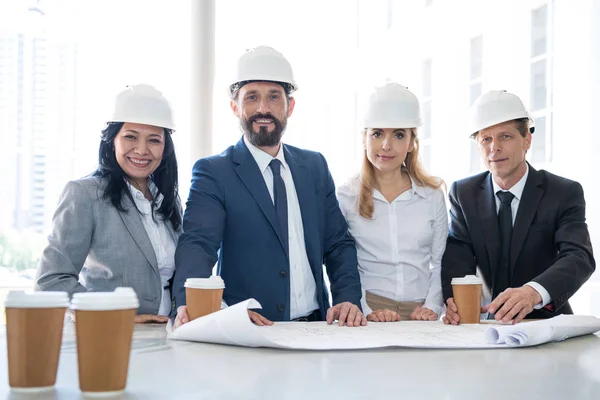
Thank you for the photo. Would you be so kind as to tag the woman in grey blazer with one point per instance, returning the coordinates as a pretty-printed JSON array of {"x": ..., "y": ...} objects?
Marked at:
[{"x": 119, "y": 226}]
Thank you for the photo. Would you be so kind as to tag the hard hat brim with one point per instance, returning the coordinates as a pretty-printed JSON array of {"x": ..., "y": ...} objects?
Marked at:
[
  {"x": 145, "y": 121},
  {"x": 475, "y": 130}
]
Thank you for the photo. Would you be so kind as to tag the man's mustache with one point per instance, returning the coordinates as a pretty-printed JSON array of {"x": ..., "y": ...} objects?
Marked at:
[{"x": 263, "y": 116}]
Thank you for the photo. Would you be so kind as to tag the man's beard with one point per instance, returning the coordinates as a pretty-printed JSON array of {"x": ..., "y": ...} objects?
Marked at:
[{"x": 264, "y": 138}]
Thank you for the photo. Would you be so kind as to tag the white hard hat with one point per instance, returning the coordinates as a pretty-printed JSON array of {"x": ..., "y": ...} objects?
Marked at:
[
  {"x": 143, "y": 104},
  {"x": 263, "y": 64},
  {"x": 393, "y": 106},
  {"x": 495, "y": 107}
]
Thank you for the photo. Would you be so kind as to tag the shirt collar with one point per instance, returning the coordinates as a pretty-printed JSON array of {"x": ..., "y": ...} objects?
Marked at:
[
  {"x": 138, "y": 195},
  {"x": 407, "y": 195},
  {"x": 517, "y": 188},
  {"x": 418, "y": 189},
  {"x": 262, "y": 158}
]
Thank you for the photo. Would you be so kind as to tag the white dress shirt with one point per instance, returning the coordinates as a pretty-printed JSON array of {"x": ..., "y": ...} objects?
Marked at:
[
  {"x": 517, "y": 191},
  {"x": 162, "y": 242},
  {"x": 303, "y": 289},
  {"x": 400, "y": 249}
]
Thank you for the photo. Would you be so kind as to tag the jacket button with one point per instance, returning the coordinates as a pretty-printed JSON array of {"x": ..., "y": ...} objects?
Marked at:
[
  {"x": 283, "y": 273},
  {"x": 280, "y": 307}
]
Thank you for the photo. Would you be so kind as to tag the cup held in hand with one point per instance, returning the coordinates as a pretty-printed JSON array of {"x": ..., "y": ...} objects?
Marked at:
[
  {"x": 203, "y": 296},
  {"x": 467, "y": 297}
]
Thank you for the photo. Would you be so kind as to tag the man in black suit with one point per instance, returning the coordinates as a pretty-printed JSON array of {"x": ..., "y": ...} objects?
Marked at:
[{"x": 523, "y": 229}]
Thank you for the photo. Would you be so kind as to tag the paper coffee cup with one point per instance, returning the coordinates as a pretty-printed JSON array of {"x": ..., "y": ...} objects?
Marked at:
[
  {"x": 467, "y": 297},
  {"x": 104, "y": 324},
  {"x": 34, "y": 328},
  {"x": 203, "y": 296}
]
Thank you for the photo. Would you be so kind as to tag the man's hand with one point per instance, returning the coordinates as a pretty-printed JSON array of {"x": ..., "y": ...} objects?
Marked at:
[
  {"x": 347, "y": 313},
  {"x": 451, "y": 316},
  {"x": 514, "y": 304},
  {"x": 151, "y": 319},
  {"x": 258, "y": 319},
  {"x": 383, "y": 316},
  {"x": 423, "y": 314},
  {"x": 182, "y": 317}
]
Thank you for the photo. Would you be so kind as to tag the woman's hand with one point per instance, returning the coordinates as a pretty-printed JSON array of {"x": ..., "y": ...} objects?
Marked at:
[
  {"x": 423, "y": 314},
  {"x": 383, "y": 316},
  {"x": 151, "y": 319}
]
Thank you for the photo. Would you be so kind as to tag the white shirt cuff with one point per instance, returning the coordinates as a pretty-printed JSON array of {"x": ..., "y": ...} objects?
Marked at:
[
  {"x": 363, "y": 304},
  {"x": 543, "y": 292}
]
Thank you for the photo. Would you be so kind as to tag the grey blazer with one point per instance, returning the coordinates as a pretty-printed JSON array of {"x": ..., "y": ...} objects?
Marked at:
[{"x": 94, "y": 247}]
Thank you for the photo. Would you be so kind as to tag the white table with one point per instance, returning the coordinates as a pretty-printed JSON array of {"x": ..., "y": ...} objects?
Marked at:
[{"x": 161, "y": 369}]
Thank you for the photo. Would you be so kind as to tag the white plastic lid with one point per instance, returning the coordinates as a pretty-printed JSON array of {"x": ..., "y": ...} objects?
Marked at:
[
  {"x": 30, "y": 299},
  {"x": 214, "y": 282},
  {"x": 123, "y": 298},
  {"x": 467, "y": 280}
]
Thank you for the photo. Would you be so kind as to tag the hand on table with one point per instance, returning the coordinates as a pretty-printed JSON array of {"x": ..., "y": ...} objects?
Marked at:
[
  {"x": 383, "y": 316},
  {"x": 423, "y": 314},
  {"x": 514, "y": 304},
  {"x": 346, "y": 313},
  {"x": 258, "y": 319},
  {"x": 151, "y": 319}
]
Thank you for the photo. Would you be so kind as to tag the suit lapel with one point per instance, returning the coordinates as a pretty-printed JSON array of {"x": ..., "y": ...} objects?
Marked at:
[
  {"x": 306, "y": 199},
  {"x": 532, "y": 194},
  {"x": 133, "y": 222},
  {"x": 252, "y": 178},
  {"x": 489, "y": 222}
]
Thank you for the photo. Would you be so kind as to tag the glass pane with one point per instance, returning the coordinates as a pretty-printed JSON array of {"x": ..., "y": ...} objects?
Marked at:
[
  {"x": 474, "y": 92},
  {"x": 538, "y": 85},
  {"x": 539, "y": 31},
  {"x": 538, "y": 144},
  {"x": 475, "y": 164},
  {"x": 427, "y": 78},
  {"x": 425, "y": 151},
  {"x": 426, "y": 129},
  {"x": 477, "y": 57}
]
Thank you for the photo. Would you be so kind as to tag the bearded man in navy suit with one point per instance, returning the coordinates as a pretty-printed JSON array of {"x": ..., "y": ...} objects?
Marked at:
[{"x": 268, "y": 213}]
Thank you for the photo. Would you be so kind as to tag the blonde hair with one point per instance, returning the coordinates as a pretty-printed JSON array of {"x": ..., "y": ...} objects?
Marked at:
[{"x": 412, "y": 165}]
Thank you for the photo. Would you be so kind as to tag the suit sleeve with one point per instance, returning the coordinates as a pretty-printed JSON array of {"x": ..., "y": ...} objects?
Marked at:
[
  {"x": 458, "y": 259},
  {"x": 69, "y": 243},
  {"x": 203, "y": 226},
  {"x": 575, "y": 262},
  {"x": 339, "y": 254}
]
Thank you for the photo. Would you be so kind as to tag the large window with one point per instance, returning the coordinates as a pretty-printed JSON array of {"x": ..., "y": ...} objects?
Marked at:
[{"x": 58, "y": 76}]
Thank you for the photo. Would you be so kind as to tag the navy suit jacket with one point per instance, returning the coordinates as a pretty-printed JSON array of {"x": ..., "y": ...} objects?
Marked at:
[
  {"x": 230, "y": 217},
  {"x": 550, "y": 242}
]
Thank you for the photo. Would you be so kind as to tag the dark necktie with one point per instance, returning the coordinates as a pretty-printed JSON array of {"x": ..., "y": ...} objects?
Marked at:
[
  {"x": 505, "y": 225},
  {"x": 280, "y": 201}
]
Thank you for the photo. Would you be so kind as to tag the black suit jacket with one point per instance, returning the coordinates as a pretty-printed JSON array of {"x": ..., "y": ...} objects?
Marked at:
[{"x": 550, "y": 242}]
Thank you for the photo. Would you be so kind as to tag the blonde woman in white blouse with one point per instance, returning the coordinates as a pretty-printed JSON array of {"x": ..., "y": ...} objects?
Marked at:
[{"x": 397, "y": 214}]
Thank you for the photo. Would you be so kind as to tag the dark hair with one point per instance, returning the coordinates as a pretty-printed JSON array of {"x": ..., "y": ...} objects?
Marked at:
[
  {"x": 522, "y": 125},
  {"x": 235, "y": 88},
  {"x": 165, "y": 176}
]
